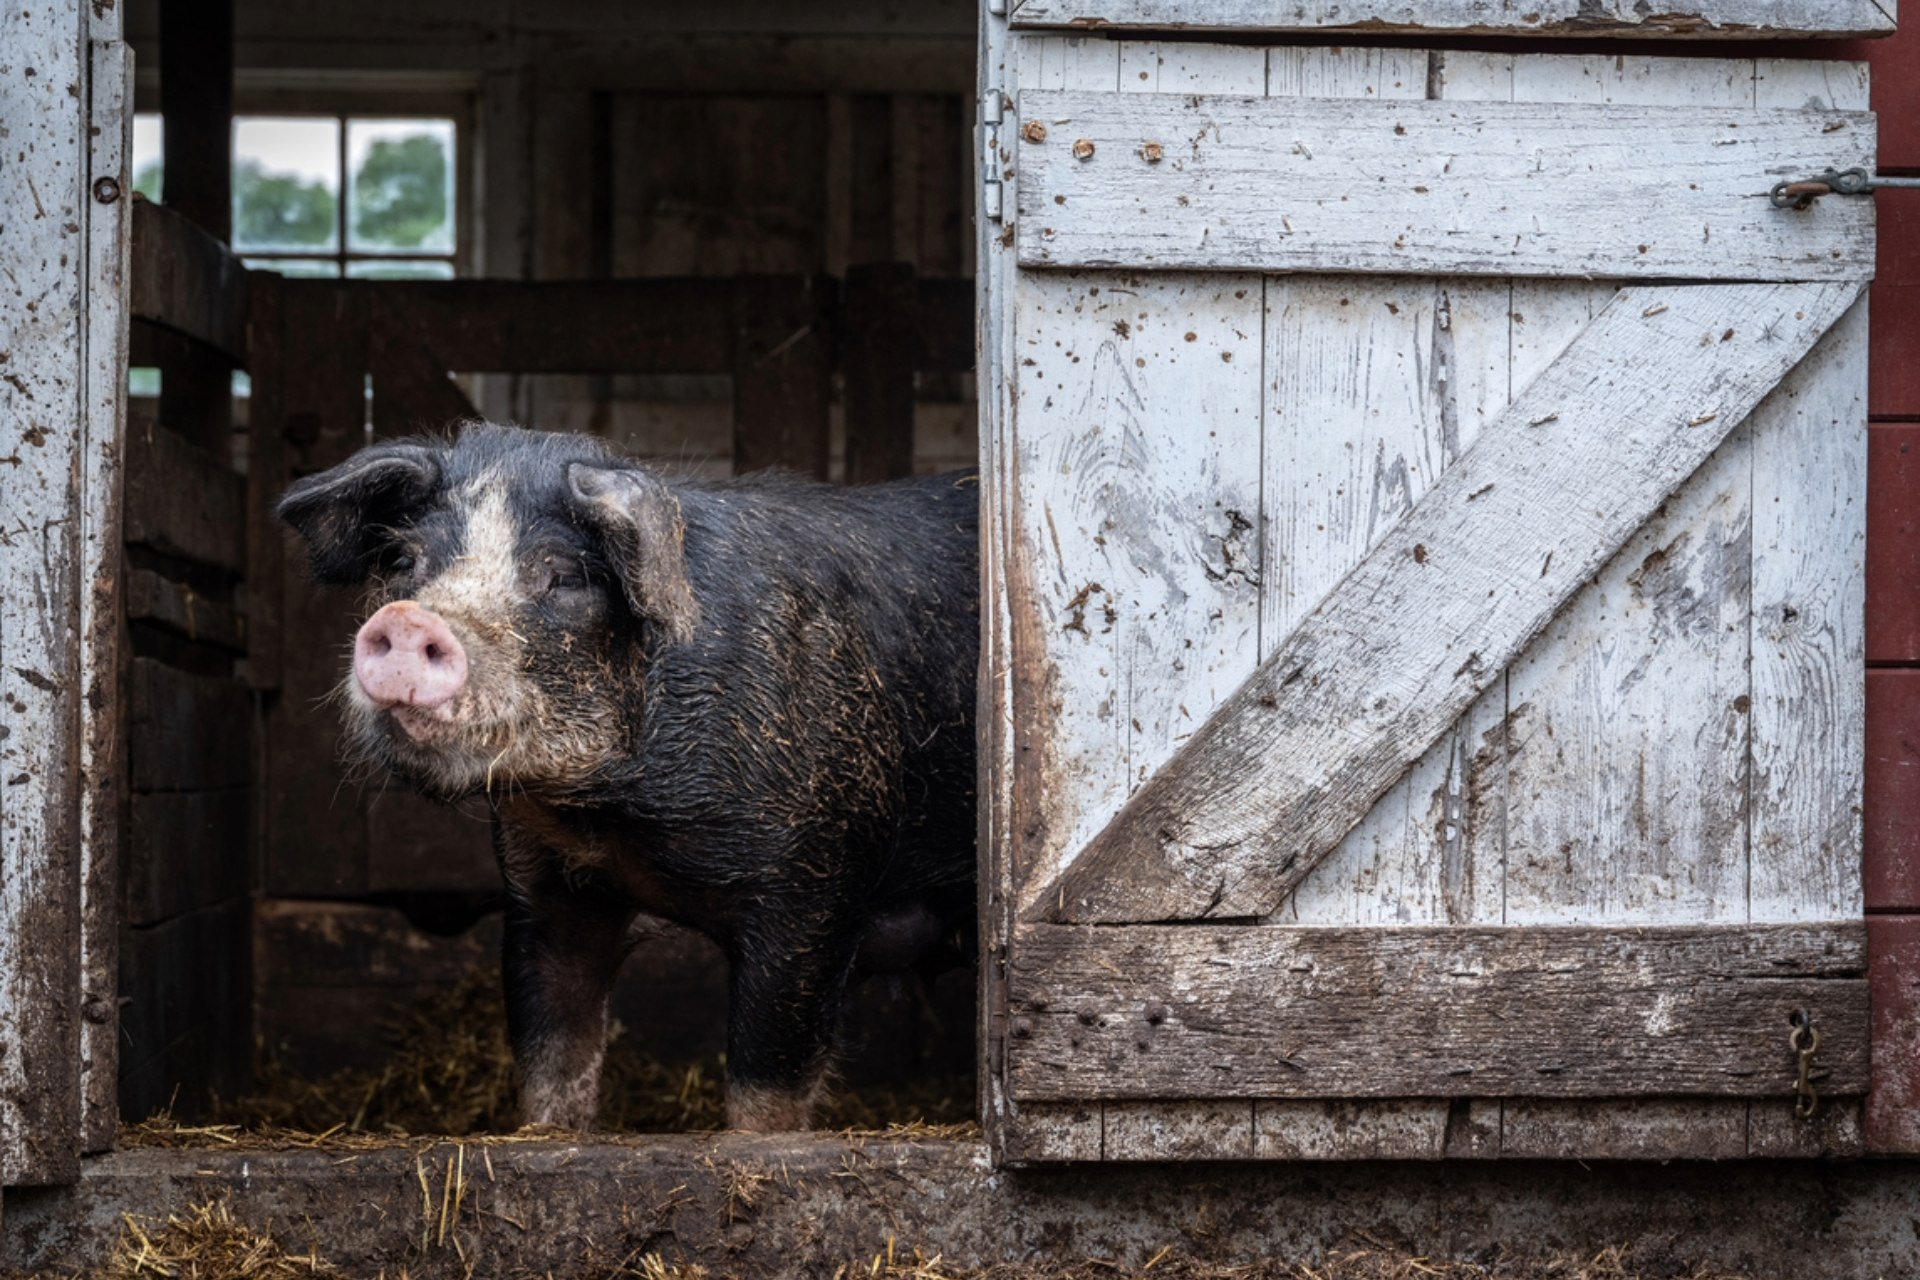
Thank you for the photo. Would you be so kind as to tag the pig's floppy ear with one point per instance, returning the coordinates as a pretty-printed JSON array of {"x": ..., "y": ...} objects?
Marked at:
[
  {"x": 639, "y": 522},
  {"x": 344, "y": 514}
]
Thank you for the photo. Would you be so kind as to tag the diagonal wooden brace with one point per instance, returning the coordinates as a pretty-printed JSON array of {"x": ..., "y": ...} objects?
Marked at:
[{"x": 1288, "y": 765}]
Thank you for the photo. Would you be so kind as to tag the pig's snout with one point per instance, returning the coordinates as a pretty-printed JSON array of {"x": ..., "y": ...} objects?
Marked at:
[{"x": 406, "y": 656}]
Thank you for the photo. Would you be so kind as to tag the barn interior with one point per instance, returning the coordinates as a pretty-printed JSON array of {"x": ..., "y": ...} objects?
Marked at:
[{"x": 723, "y": 237}]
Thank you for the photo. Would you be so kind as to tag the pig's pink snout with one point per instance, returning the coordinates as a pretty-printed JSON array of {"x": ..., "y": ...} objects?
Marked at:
[{"x": 406, "y": 656}]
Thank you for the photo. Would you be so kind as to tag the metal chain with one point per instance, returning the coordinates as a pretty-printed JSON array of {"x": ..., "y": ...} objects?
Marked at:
[
  {"x": 1834, "y": 182},
  {"x": 1805, "y": 1042}
]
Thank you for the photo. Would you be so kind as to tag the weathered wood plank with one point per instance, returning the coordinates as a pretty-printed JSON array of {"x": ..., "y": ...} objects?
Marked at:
[
  {"x": 1138, "y": 532},
  {"x": 316, "y": 835},
  {"x": 178, "y": 607},
  {"x": 782, "y": 373},
  {"x": 1494, "y": 188},
  {"x": 267, "y": 479},
  {"x": 186, "y": 1022},
  {"x": 1053, "y": 1131},
  {"x": 1700, "y": 19},
  {"x": 1007, "y": 693},
  {"x": 1808, "y": 636},
  {"x": 185, "y": 279},
  {"x": 1625, "y": 1128},
  {"x": 186, "y": 850},
  {"x": 1390, "y": 381},
  {"x": 1205, "y": 1130},
  {"x": 187, "y": 732},
  {"x": 1232, "y": 1012},
  {"x": 1369, "y": 1129},
  {"x": 678, "y": 325},
  {"x": 102, "y": 733},
  {"x": 1430, "y": 618},
  {"x": 44, "y": 420},
  {"x": 412, "y": 391},
  {"x": 877, "y": 361},
  {"x": 1622, "y": 762},
  {"x": 183, "y": 502},
  {"x": 1838, "y": 1128}
]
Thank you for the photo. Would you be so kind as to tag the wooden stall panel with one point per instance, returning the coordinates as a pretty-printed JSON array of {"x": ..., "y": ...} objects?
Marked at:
[
  {"x": 1516, "y": 188},
  {"x": 1699, "y": 19},
  {"x": 1429, "y": 619},
  {"x": 1195, "y": 1012},
  {"x": 45, "y": 413}
]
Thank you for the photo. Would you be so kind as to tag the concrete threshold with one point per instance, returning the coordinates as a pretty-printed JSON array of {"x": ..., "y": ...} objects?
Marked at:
[{"x": 804, "y": 1205}]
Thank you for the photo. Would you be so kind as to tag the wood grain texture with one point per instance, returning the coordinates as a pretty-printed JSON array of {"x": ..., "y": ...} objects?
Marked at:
[
  {"x": 1429, "y": 619},
  {"x": 1807, "y": 633},
  {"x": 186, "y": 280},
  {"x": 1516, "y": 188},
  {"x": 44, "y": 413},
  {"x": 187, "y": 732},
  {"x": 102, "y": 735},
  {"x": 1207, "y": 1130},
  {"x": 1381, "y": 384},
  {"x": 1232, "y": 1012},
  {"x": 1360, "y": 1129},
  {"x": 182, "y": 502},
  {"x": 1139, "y": 526},
  {"x": 782, "y": 373},
  {"x": 1700, "y": 19}
]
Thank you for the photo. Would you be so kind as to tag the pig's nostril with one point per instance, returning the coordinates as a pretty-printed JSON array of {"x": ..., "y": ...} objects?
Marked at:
[
  {"x": 433, "y": 653},
  {"x": 382, "y": 646}
]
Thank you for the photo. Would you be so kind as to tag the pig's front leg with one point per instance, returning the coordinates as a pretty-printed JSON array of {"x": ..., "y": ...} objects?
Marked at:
[
  {"x": 563, "y": 948},
  {"x": 788, "y": 986}
]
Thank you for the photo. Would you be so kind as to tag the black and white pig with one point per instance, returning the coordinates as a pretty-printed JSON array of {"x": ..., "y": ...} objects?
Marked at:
[{"x": 746, "y": 706}]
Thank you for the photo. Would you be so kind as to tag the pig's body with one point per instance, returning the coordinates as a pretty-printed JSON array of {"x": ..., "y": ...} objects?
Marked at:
[{"x": 744, "y": 706}]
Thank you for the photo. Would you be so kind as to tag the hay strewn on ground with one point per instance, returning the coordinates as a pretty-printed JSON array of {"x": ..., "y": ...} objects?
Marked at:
[
  {"x": 451, "y": 1074},
  {"x": 207, "y": 1243}
]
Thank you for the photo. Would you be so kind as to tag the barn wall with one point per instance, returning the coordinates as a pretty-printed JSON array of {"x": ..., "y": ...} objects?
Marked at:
[{"x": 616, "y": 139}]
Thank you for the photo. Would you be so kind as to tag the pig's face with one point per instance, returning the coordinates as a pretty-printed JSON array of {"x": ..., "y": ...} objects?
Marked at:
[{"x": 516, "y": 584}]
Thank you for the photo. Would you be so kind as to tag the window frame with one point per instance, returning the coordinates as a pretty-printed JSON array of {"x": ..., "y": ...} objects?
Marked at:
[{"x": 358, "y": 97}]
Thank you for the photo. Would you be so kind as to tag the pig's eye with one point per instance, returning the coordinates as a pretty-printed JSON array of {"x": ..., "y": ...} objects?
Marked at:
[
  {"x": 564, "y": 575},
  {"x": 403, "y": 563}
]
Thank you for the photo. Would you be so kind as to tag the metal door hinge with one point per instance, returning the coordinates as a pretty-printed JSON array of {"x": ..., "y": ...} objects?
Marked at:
[
  {"x": 992, "y": 111},
  {"x": 1834, "y": 182},
  {"x": 998, "y": 8}
]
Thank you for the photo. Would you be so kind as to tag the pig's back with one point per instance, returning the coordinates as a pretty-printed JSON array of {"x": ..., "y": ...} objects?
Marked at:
[{"x": 832, "y": 675}]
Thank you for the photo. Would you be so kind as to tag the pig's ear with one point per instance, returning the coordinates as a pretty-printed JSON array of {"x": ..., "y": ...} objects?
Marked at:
[
  {"x": 639, "y": 522},
  {"x": 346, "y": 515}
]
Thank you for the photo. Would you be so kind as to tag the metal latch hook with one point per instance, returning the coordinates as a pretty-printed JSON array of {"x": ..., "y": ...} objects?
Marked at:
[{"x": 1834, "y": 182}]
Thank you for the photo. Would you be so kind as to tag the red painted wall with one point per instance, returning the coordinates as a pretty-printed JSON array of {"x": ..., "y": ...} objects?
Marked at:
[{"x": 1892, "y": 802}]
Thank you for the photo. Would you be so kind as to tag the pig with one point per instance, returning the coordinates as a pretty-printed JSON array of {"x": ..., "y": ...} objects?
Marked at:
[{"x": 746, "y": 706}]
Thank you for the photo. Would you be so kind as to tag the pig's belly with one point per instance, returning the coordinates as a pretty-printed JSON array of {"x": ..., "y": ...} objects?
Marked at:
[{"x": 898, "y": 939}]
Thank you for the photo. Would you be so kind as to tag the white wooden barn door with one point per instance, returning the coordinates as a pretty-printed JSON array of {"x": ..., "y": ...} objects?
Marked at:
[
  {"x": 1425, "y": 497},
  {"x": 66, "y": 112}
]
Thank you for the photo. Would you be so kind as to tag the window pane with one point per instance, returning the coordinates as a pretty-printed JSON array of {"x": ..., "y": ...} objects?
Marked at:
[
  {"x": 400, "y": 197},
  {"x": 286, "y": 183},
  {"x": 301, "y": 268},
  {"x": 399, "y": 269},
  {"x": 143, "y": 380},
  {"x": 147, "y": 156}
]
